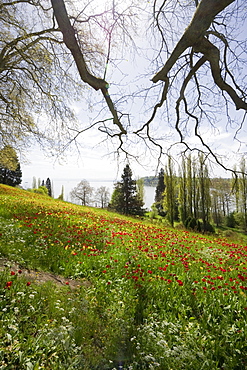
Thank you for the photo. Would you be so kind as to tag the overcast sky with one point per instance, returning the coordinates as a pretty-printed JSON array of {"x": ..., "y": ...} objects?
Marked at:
[
  {"x": 97, "y": 164},
  {"x": 90, "y": 165},
  {"x": 93, "y": 166}
]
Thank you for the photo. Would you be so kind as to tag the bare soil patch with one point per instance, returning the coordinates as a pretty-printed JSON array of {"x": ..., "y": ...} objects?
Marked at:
[{"x": 41, "y": 277}]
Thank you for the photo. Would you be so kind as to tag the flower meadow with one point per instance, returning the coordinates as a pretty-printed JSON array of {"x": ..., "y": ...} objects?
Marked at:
[{"x": 145, "y": 296}]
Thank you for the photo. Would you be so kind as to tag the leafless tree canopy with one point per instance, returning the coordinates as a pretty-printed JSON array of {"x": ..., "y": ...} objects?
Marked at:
[
  {"x": 34, "y": 70},
  {"x": 82, "y": 192},
  {"x": 195, "y": 57},
  {"x": 207, "y": 47}
]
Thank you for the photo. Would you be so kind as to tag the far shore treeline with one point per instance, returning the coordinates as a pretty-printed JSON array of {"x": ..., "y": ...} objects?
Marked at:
[{"x": 184, "y": 193}]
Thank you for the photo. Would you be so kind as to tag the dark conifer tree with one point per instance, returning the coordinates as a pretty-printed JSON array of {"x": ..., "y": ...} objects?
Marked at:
[
  {"x": 159, "y": 193},
  {"x": 125, "y": 198},
  {"x": 10, "y": 177},
  {"x": 48, "y": 186}
]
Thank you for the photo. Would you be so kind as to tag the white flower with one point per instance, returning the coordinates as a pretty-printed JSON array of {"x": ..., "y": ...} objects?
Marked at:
[
  {"x": 22, "y": 294},
  {"x": 9, "y": 336},
  {"x": 149, "y": 358},
  {"x": 162, "y": 343}
]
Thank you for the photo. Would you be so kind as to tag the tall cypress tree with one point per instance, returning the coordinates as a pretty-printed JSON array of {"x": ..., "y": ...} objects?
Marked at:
[
  {"x": 204, "y": 187},
  {"x": 187, "y": 189},
  {"x": 243, "y": 190},
  {"x": 125, "y": 198},
  {"x": 183, "y": 192}
]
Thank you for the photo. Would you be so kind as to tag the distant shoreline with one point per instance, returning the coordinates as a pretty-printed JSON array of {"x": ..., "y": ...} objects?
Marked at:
[{"x": 69, "y": 184}]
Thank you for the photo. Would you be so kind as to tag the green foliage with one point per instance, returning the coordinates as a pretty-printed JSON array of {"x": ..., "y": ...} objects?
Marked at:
[
  {"x": 187, "y": 197},
  {"x": 116, "y": 198},
  {"x": 43, "y": 187},
  {"x": 191, "y": 223},
  {"x": 61, "y": 196},
  {"x": 160, "y": 194},
  {"x": 40, "y": 190},
  {"x": 126, "y": 198},
  {"x": 239, "y": 218},
  {"x": 230, "y": 220},
  {"x": 241, "y": 191},
  {"x": 10, "y": 170},
  {"x": 43, "y": 326},
  {"x": 198, "y": 226},
  {"x": 8, "y": 158},
  {"x": 208, "y": 227},
  {"x": 140, "y": 189}
]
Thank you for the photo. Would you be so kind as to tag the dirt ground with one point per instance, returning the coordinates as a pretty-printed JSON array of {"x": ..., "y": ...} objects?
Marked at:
[{"x": 41, "y": 277}]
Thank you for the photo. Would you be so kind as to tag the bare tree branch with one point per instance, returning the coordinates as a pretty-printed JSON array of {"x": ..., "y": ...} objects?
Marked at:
[
  {"x": 194, "y": 37},
  {"x": 72, "y": 44},
  {"x": 211, "y": 52},
  {"x": 203, "y": 17},
  {"x": 182, "y": 91}
]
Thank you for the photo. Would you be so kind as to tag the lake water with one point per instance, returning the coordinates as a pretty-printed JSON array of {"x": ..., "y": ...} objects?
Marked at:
[{"x": 69, "y": 184}]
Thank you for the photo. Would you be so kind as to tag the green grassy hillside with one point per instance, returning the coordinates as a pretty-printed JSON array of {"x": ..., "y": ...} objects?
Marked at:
[{"x": 125, "y": 294}]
